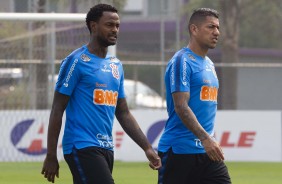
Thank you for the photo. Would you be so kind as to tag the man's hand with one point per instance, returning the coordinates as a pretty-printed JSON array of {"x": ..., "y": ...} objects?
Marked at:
[
  {"x": 213, "y": 149},
  {"x": 50, "y": 168},
  {"x": 155, "y": 161}
]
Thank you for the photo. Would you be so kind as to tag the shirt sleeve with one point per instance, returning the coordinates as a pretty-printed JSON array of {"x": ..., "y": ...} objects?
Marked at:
[
  {"x": 68, "y": 76},
  {"x": 180, "y": 73}
]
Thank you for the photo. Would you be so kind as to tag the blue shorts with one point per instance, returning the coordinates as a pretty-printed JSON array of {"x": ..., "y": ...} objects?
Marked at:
[
  {"x": 91, "y": 165},
  {"x": 191, "y": 169}
]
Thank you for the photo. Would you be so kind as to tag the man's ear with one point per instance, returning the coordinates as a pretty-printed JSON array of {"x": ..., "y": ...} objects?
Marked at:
[
  {"x": 193, "y": 28},
  {"x": 93, "y": 26}
]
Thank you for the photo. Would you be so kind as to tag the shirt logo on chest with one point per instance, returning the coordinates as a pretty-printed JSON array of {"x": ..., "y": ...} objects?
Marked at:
[
  {"x": 208, "y": 93},
  {"x": 105, "y": 69},
  {"x": 115, "y": 71}
]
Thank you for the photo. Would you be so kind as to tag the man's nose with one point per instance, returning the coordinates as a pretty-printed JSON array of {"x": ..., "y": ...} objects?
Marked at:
[{"x": 216, "y": 32}]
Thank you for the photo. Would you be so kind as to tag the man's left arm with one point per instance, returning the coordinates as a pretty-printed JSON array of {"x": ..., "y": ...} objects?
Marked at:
[{"x": 131, "y": 127}]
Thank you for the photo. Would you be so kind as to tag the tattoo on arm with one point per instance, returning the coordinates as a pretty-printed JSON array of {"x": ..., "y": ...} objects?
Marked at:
[{"x": 187, "y": 116}]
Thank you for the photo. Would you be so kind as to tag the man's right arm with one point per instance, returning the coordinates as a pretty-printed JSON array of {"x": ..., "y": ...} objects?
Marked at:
[
  {"x": 189, "y": 119},
  {"x": 51, "y": 167}
]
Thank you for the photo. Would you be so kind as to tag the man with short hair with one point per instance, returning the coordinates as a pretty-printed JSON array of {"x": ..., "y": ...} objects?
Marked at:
[
  {"x": 90, "y": 89},
  {"x": 187, "y": 147}
]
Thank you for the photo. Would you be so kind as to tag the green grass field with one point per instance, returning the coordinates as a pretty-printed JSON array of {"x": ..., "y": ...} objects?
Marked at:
[{"x": 138, "y": 173}]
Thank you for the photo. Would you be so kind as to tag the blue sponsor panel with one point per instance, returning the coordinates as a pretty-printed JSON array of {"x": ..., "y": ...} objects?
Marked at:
[
  {"x": 35, "y": 146},
  {"x": 24, "y": 135},
  {"x": 154, "y": 132}
]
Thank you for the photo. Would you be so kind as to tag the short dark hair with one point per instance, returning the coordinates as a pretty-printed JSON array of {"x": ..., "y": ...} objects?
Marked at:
[
  {"x": 200, "y": 14},
  {"x": 96, "y": 12}
]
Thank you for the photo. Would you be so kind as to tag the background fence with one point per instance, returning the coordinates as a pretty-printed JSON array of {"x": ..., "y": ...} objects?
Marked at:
[{"x": 31, "y": 52}]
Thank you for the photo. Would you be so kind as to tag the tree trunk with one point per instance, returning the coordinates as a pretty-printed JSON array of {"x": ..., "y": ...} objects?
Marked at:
[{"x": 230, "y": 36}]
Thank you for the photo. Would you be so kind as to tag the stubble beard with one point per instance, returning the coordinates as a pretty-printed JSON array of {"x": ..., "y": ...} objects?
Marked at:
[{"x": 105, "y": 43}]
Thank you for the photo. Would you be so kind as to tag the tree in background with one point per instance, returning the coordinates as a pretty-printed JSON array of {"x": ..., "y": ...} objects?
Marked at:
[
  {"x": 260, "y": 24},
  {"x": 229, "y": 51}
]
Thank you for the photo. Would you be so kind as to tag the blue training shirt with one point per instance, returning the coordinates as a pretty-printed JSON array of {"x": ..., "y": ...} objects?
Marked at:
[
  {"x": 188, "y": 72},
  {"x": 94, "y": 84}
]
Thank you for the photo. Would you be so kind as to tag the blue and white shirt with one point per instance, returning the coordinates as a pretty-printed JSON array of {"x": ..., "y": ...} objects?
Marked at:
[
  {"x": 188, "y": 72},
  {"x": 94, "y": 84}
]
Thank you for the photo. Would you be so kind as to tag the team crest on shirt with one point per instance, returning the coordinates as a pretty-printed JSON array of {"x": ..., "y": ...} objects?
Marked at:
[
  {"x": 85, "y": 58},
  {"x": 114, "y": 70},
  {"x": 191, "y": 57}
]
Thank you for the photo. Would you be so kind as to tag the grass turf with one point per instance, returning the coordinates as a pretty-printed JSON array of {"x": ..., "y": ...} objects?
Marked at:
[{"x": 139, "y": 173}]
